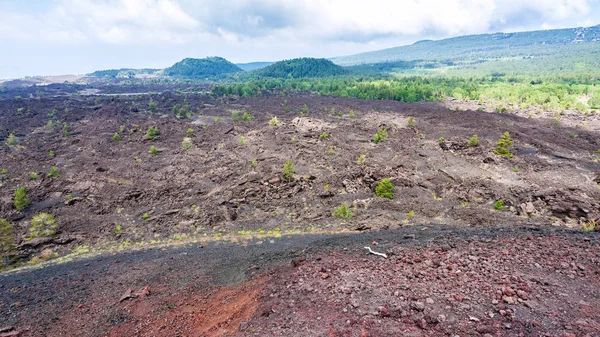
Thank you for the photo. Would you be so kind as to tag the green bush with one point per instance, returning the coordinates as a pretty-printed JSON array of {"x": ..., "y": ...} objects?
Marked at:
[
  {"x": 51, "y": 154},
  {"x": 152, "y": 106},
  {"x": 343, "y": 212},
  {"x": 362, "y": 159},
  {"x": 254, "y": 163},
  {"x": 187, "y": 144},
  {"x": 499, "y": 205},
  {"x": 474, "y": 141},
  {"x": 385, "y": 189},
  {"x": 323, "y": 135},
  {"x": 246, "y": 117},
  {"x": 4, "y": 171},
  {"x": 53, "y": 172},
  {"x": 12, "y": 140},
  {"x": 288, "y": 170},
  {"x": 152, "y": 132},
  {"x": 42, "y": 225},
  {"x": 503, "y": 144},
  {"x": 116, "y": 137},
  {"x": 153, "y": 151},
  {"x": 351, "y": 114},
  {"x": 20, "y": 200},
  {"x": 274, "y": 122},
  {"x": 411, "y": 122},
  {"x": 380, "y": 136},
  {"x": 189, "y": 132},
  {"x": 33, "y": 176},
  {"x": 7, "y": 240}
]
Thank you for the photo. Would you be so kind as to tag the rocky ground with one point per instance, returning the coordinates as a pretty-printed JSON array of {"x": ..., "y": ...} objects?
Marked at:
[
  {"x": 436, "y": 281},
  {"x": 471, "y": 270},
  {"x": 112, "y": 193}
]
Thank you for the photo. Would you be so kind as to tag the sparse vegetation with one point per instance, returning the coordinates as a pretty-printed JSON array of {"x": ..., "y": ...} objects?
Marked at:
[
  {"x": 189, "y": 132},
  {"x": 499, "y": 205},
  {"x": 33, "y": 176},
  {"x": 323, "y": 135},
  {"x": 116, "y": 137},
  {"x": 410, "y": 214},
  {"x": 474, "y": 141},
  {"x": 53, "y": 172},
  {"x": 12, "y": 139},
  {"x": 246, "y": 117},
  {"x": 242, "y": 140},
  {"x": 42, "y": 225},
  {"x": 7, "y": 241},
  {"x": 152, "y": 106},
  {"x": 118, "y": 229},
  {"x": 411, "y": 122},
  {"x": 152, "y": 132},
  {"x": 51, "y": 154},
  {"x": 254, "y": 163},
  {"x": 145, "y": 216},
  {"x": 503, "y": 144},
  {"x": 343, "y": 211},
  {"x": 153, "y": 151},
  {"x": 288, "y": 170},
  {"x": 274, "y": 122},
  {"x": 351, "y": 114},
  {"x": 4, "y": 171},
  {"x": 20, "y": 199},
  {"x": 362, "y": 159},
  {"x": 187, "y": 144},
  {"x": 385, "y": 189},
  {"x": 380, "y": 136}
]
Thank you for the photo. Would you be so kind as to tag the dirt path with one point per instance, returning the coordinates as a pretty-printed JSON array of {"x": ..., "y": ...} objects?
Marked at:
[{"x": 437, "y": 280}]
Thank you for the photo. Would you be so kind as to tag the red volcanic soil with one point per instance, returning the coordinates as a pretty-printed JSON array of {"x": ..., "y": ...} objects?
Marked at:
[{"x": 436, "y": 281}]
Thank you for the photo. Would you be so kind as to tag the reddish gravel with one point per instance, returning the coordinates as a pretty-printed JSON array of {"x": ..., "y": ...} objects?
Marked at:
[{"x": 547, "y": 286}]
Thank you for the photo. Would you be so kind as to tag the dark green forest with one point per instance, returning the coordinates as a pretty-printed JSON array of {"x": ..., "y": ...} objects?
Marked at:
[{"x": 202, "y": 68}]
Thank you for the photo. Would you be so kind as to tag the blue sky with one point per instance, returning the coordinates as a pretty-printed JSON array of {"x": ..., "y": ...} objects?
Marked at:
[{"x": 79, "y": 36}]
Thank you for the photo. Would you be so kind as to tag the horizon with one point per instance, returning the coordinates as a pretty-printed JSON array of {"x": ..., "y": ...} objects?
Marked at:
[{"x": 67, "y": 37}]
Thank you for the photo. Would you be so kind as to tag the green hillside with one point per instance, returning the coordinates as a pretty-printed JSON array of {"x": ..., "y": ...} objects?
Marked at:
[
  {"x": 573, "y": 50},
  {"x": 301, "y": 68},
  {"x": 202, "y": 68}
]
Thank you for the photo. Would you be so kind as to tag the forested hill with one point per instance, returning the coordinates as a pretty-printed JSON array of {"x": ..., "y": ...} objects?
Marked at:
[
  {"x": 486, "y": 46},
  {"x": 301, "y": 68},
  {"x": 202, "y": 68}
]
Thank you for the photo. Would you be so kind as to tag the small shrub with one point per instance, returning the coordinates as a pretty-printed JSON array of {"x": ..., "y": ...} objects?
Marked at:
[
  {"x": 153, "y": 151},
  {"x": 235, "y": 115},
  {"x": 351, "y": 114},
  {"x": 48, "y": 254},
  {"x": 499, "y": 205},
  {"x": 246, "y": 117},
  {"x": 187, "y": 144},
  {"x": 152, "y": 106},
  {"x": 33, "y": 176},
  {"x": 51, "y": 154},
  {"x": 152, "y": 132},
  {"x": 474, "y": 141},
  {"x": 274, "y": 122},
  {"x": 442, "y": 139},
  {"x": 421, "y": 136},
  {"x": 42, "y": 225},
  {"x": 410, "y": 214},
  {"x": 7, "y": 241},
  {"x": 304, "y": 110},
  {"x": 12, "y": 140},
  {"x": 242, "y": 140},
  {"x": 362, "y": 159},
  {"x": 343, "y": 212},
  {"x": 288, "y": 170},
  {"x": 380, "y": 136},
  {"x": 323, "y": 135},
  {"x": 411, "y": 122},
  {"x": 116, "y": 137},
  {"x": 145, "y": 216},
  {"x": 385, "y": 189},
  {"x": 503, "y": 144},
  {"x": 53, "y": 172},
  {"x": 589, "y": 226},
  {"x": 189, "y": 132},
  {"x": 4, "y": 171},
  {"x": 20, "y": 200},
  {"x": 254, "y": 163},
  {"x": 516, "y": 169},
  {"x": 118, "y": 229},
  {"x": 331, "y": 151}
]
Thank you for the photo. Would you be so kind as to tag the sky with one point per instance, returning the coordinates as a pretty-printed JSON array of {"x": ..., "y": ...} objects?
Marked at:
[{"x": 55, "y": 37}]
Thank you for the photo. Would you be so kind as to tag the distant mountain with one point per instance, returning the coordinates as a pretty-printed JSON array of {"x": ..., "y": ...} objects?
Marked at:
[
  {"x": 253, "y": 65},
  {"x": 202, "y": 68},
  {"x": 301, "y": 68},
  {"x": 486, "y": 46},
  {"x": 124, "y": 72}
]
